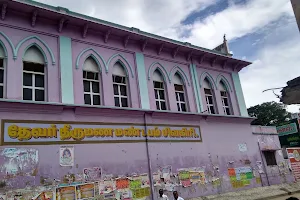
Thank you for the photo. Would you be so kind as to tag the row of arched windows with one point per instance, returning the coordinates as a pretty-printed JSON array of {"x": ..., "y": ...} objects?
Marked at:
[
  {"x": 181, "y": 96},
  {"x": 34, "y": 84},
  {"x": 210, "y": 98}
]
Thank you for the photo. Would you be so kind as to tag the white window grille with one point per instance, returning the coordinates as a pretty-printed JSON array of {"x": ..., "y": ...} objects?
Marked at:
[
  {"x": 33, "y": 75},
  {"x": 91, "y": 82},
  {"x": 209, "y": 97},
  {"x": 120, "y": 87},
  {"x": 159, "y": 91},
  {"x": 179, "y": 93},
  {"x": 1, "y": 77},
  {"x": 225, "y": 99}
]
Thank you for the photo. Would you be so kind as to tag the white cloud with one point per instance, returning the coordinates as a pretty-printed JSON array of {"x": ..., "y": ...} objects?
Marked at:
[
  {"x": 154, "y": 16},
  {"x": 275, "y": 65},
  {"x": 237, "y": 21},
  {"x": 165, "y": 17}
]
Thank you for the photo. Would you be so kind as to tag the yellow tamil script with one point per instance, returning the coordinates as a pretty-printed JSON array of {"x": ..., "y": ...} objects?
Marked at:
[{"x": 67, "y": 132}]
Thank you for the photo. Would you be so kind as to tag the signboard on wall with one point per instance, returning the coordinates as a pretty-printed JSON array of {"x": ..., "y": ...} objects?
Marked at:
[
  {"x": 17, "y": 132},
  {"x": 294, "y": 157},
  {"x": 292, "y": 140},
  {"x": 288, "y": 134},
  {"x": 268, "y": 130},
  {"x": 287, "y": 129}
]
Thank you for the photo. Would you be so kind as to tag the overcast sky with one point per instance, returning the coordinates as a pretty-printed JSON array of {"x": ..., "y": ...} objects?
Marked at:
[{"x": 261, "y": 31}]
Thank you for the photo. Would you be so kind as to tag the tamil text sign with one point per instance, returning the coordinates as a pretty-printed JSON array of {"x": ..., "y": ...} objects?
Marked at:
[
  {"x": 36, "y": 132},
  {"x": 287, "y": 129}
]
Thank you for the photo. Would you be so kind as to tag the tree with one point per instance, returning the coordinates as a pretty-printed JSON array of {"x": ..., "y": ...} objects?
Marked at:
[{"x": 269, "y": 114}]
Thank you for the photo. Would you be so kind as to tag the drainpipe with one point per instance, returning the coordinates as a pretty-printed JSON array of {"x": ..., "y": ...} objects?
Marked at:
[
  {"x": 148, "y": 156},
  {"x": 263, "y": 163}
]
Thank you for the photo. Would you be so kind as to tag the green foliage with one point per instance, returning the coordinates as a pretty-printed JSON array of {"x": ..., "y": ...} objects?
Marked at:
[{"x": 269, "y": 114}]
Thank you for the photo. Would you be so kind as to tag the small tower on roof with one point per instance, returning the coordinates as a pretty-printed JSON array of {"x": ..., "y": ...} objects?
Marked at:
[{"x": 224, "y": 48}]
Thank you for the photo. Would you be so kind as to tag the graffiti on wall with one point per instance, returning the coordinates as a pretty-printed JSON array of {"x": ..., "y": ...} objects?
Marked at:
[{"x": 19, "y": 161}]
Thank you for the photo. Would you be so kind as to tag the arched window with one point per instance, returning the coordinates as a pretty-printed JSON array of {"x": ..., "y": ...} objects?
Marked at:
[
  {"x": 225, "y": 99},
  {"x": 209, "y": 97},
  {"x": 91, "y": 82},
  {"x": 120, "y": 85},
  {"x": 159, "y": 91},
  {"x": 180, "y": 93},
  {"x": 2, "y": 56},
  {"x": 33, "y": 75}
]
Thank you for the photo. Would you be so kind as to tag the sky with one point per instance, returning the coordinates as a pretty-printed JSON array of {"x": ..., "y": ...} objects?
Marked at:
[{"x": 263, "y": 32}]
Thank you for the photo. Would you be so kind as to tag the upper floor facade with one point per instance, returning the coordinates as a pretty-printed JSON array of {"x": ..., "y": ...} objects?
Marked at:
[{"x": 50, "y": 54}]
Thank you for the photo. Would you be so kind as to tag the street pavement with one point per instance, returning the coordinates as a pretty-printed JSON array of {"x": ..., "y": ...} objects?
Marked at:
[{"x": 280, "y": 192}]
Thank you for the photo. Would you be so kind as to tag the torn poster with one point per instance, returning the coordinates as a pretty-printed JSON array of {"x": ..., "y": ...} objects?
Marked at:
[
  {"x": 19, "y": 160},
  {"x": 184, "y": 177},
  {"x": 66, "y": 156},
  {"x": 145, "y": 180},
  {"x": 92, "y": 174},
  {"x": 110, "y": 195},
  {"x": 46, "y": 195},
  {"x": 186, "y": 183},
  {"x": 156, "y": 179},
  {"x": 2, "y": 196},
  {"x": 135, "y": 183},
  {"x": 66, "y": 193},
  {"x": 126, "y": 195},
  {"x": 195, "y": 176},
  {"x": 166, "y": 173},
  {"x": 107, "y": 186},
  {"x": 122, "y": 183},
  {"x": 85, "y": 191}
]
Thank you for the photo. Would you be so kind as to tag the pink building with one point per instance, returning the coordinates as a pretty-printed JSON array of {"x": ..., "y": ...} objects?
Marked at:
[{"x": 85, "y": 100}]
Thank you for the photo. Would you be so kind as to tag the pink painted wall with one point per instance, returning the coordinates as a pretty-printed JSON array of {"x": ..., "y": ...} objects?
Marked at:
[
  {"x": 206, "y": 68},
  {"x": 18, "y": 27},
  {"x": 14, "y": 68},
  {"x": 125, "y": 158},
  {"x": 277, "y": 173},
  {"x": 170, "y": 91},
  {"x": 106, "y": 77}
]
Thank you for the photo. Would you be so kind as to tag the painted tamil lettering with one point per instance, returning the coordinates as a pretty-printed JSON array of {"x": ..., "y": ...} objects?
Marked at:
[{"x": 35, "y": 132}]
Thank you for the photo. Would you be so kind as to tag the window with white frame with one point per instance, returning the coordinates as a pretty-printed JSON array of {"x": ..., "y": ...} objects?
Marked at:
[
  {"x": 91, "y": 82},
  {"x": 225, "y": 99},
  {"x": 120, "y": 85},
  {"x": 2, "y": 56},
  {"x": 179, "y": 93},
  {"x": 209, "y": 97},
  {"x": 34, "y": 75},
  {"x": 159, "y": 91}
]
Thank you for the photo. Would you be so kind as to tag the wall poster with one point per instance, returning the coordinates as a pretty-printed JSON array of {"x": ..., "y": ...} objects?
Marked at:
[
  {"x": 66, "y": 156},
  {"x": 46, "y": 195},
  {"x": 85, "y": 191},
  {"x": 240, "y": 176},
  {"x": 242, "y": 147},
  {"x": 92, "y": 174},
  {"x": 66, "y": 193},
  {"x": 17, "y": 160},
  {"x": 294, "y": 157}
]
